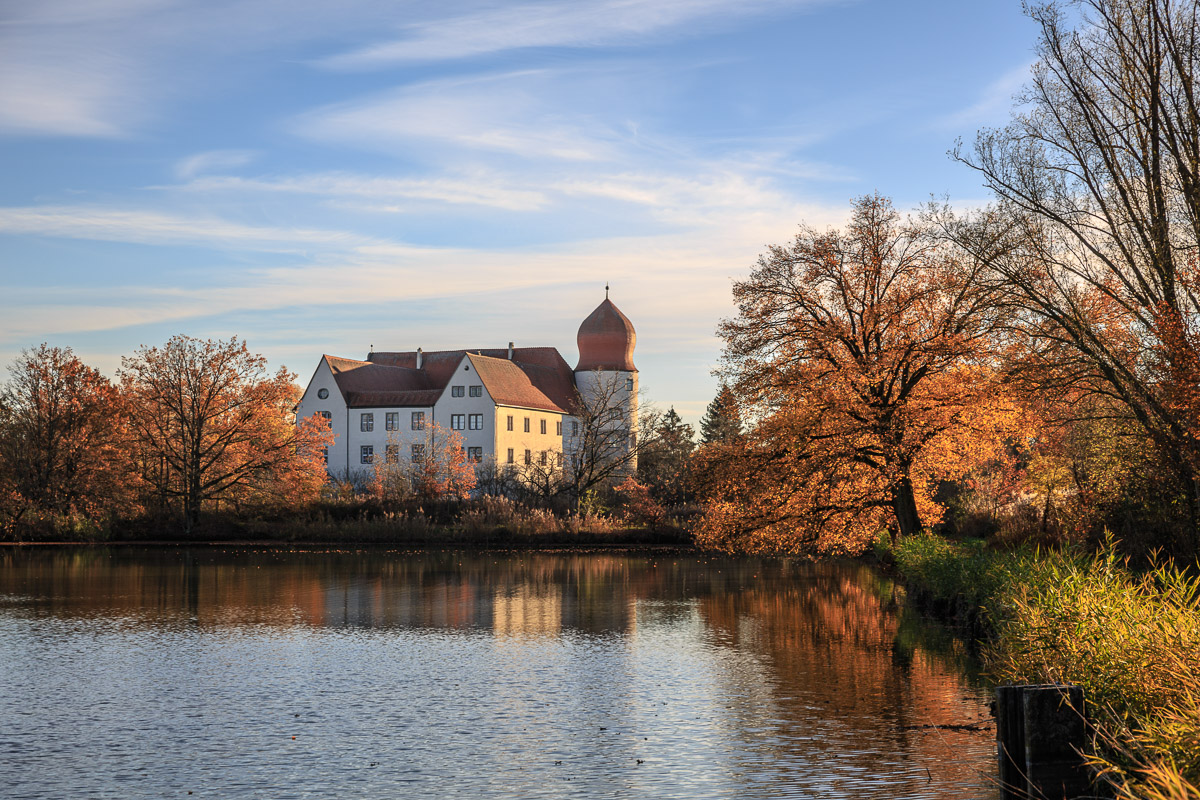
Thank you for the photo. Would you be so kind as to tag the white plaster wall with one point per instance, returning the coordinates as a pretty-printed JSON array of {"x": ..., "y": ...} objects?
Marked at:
[
  {"x": 597, "y": 383},
  {"x": 466, "y": 377},
  {"x": 380, "y": 437},
  {"x": 310, "y": 404}
]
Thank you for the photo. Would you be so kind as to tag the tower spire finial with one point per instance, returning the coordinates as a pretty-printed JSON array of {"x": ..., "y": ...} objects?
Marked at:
[{"x": 606, "y": 290}]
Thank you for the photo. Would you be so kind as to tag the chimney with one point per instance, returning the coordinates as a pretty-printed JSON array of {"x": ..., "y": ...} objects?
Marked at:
[
  {"x": 420, "y": 358},
  {"x": 510, "y": 351}
]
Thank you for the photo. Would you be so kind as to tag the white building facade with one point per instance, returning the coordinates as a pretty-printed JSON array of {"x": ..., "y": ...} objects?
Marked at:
[{"x": 514, "y": 406}]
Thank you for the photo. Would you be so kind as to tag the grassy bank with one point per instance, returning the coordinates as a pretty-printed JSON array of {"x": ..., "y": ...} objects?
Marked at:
[
  {"x": 482, "y": 522},
  {"x": 1130, "y": 637}
]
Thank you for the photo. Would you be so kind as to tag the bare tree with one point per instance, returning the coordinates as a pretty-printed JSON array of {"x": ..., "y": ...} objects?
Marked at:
[
  {"x": 1097, "y": 228},
  {"x": 607, "y": 448}
]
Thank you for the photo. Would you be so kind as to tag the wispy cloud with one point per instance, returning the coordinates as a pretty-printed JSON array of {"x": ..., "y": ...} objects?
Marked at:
[
  {"x": 150, "y": 227},
  {"x": 692, "y": 267},
  {"x": 63, "y": 87},
  {"x": 993, "y": 105},
  {"x": 481, "y": 188},
  {"x": 509, "y": 113},
  {"x": 211, "y": 161},
  {"x": 576, "y": 23}
]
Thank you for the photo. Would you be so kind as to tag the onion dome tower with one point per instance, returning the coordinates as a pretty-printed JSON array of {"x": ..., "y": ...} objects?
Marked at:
[
  {"x": 606, "y": 340},
  {"x": 607, "y": 378}
]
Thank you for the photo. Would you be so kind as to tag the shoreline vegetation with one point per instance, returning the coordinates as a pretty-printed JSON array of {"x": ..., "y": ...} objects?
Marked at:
[
  {"x": 486, "y": 521},
  {"x": 1129, "y": 636}
]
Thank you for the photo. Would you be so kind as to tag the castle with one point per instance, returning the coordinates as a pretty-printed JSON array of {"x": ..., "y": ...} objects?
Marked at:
[{"x": 518, "y": 406}]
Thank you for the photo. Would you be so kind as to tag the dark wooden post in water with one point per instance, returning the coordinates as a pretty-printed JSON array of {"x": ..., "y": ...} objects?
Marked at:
[{"x": 1040, "y": 733}]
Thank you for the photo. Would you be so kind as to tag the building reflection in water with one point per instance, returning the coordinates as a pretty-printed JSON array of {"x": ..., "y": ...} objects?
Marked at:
[{"x": 812, "y": 669}]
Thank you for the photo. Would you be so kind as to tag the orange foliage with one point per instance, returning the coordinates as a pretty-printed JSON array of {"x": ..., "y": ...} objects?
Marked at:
[
  {"x": 63, "y": 439},
  {"x": 441, "y": 470},
  {"x": 212, "y": 425},
  {"x": 639, "y": 505},
  {"x": 865, "y": 356}
]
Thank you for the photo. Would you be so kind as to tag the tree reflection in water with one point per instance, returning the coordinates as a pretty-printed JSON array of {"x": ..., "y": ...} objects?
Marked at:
[{"x": 725, "y": 677}]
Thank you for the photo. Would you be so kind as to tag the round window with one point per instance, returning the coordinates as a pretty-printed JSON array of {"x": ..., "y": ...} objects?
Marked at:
[{"x": 322, "y": 393}]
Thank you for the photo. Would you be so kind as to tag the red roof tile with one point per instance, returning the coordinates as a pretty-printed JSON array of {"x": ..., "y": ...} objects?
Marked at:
[
  {"x": 536, "y": 377},
  {"x": 510, "y": 385},
  {"x": 364, "y": 384},
  {"x": 545, "y": 369}
]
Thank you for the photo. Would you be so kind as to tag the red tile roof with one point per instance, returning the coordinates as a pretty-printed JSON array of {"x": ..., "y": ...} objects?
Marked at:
[
  {"x": 511, "y": 385},
  {"x": 365, "y": 385},
  {"x": 536, "y": 377}
]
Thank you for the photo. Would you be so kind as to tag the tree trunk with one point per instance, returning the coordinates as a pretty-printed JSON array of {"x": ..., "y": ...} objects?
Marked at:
[
  {"x": 904, "y": 504},
  {"x": 1190, "y": 546}
]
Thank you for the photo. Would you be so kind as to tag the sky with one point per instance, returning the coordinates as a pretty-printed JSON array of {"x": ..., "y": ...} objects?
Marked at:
[{"x": 319, "y": 177}]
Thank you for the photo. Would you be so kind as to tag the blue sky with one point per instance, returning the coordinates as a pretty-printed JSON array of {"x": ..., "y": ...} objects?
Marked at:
[{"x": 321, "y": 177}]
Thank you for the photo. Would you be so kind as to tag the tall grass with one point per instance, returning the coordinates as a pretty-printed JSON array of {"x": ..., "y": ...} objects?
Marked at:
[{"x": 1130, "y": 637}]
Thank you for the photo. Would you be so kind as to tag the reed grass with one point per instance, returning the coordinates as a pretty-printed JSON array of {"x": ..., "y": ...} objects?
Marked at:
[{"x": 1130, "y": 637}]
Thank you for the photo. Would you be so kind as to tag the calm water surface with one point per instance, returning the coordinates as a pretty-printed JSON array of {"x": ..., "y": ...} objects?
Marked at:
[{"x": 376, "y": 674}]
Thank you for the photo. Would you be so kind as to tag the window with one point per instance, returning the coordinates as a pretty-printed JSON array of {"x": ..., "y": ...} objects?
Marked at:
[
  {"x": 458, "y": 422},
  {"x": 629, "y": 384},
  {"x": 558, "y": 428},
  {"x": 391, "y": 421},
  {"x": 475, "y": 422},
  {"x": 558, "y": 459},
  {"x": 528, "y": 457},
  {"x": 527, "y": 424},
  {"x": 510, "y": 427},
  {"x": 543, "y": 427},
  {"x": 510, "y": 453},
  {"x": 456, "y": 391},
  {"x": 325, "y": 414},
  {"x": 366, "y": 422},
  {"x": 391, "y": 454},
  {"x": 418, "y": 420},
  {"x": 574, "y": 428},
  {"x": 476, "y": 391},
  {"x": 325, "y": 454},
  {"x": 542, "y": 458},
  {"x": 418, "y": 453},
  {"x": 366, "y": 454},
  {"x": 322, "y": 393},
  {"x": 475, "y": 454}
]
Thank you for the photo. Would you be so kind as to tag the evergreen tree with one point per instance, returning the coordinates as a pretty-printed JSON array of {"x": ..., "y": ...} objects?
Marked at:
[
  {"x": 663, "y": 466},
  {"x": 722, "y": 421}
]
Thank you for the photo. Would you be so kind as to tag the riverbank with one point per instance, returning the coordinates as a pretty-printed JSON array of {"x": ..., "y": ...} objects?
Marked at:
[
  {"x": 1130, "y": 637},
  {"x": 525, "y": 531},
  {"x": 481, "y": 522}
]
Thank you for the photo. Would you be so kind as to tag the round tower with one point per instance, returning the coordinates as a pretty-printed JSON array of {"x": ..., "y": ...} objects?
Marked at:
[{"x": 607, "y": 379}]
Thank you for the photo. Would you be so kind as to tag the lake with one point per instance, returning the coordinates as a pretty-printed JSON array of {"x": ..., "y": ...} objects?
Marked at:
[{"x": 276, "y": 673}]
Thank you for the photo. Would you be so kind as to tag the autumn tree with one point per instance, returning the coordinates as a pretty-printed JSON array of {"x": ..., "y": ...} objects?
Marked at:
[
  {"x": 63, "y": 442},
  {"x": 663, "y": 464},
  {"x": 861, "y": 355},
  {"x": 1096, "y": 229},
  {"x": 722, "y": 422},
  {"x": 639, "y": 504},
  {"x": 213, "y": 425},
  {"x": 440, "y": 466}
]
